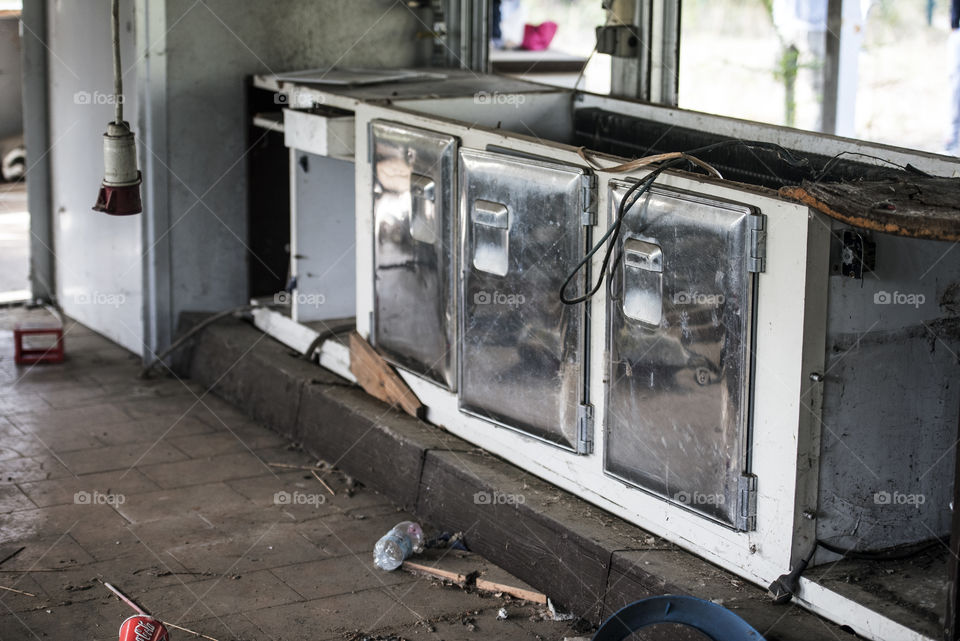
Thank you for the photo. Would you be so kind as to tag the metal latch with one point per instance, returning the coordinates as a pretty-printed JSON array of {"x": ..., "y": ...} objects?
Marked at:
[
  {"x": 747, "y": 514},
  {"x": 757, "y": 260},
  {"x": 588, "y": 196},
  {"x": 620, "y": 41},
  {"x": 585, "y": 429}
]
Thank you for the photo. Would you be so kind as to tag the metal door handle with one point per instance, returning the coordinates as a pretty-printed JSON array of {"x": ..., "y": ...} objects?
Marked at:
[
  {"x": 423, "y": 209},
  {"x": 642, "y": 281},
  {"x": 491, "y": 237}
]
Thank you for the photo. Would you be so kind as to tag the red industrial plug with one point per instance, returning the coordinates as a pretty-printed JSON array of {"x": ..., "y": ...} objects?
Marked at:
[{"x": 120, "y": 191}]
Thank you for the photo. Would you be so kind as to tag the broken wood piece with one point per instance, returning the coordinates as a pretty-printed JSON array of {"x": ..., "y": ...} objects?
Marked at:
[
  {"x": 378, "y": 379},
  {"x": 455, "y": 566},
  {"x": 323, "y": 483},
  {"x": 469, "y": 569},
  {"x": 2, "y": 587},
  {"x": 288, "y": 466},
  {"x": 496, "y": 579}
]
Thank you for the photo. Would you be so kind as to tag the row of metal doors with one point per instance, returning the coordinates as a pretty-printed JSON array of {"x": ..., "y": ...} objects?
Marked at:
[{"x": 471, "y": 249}]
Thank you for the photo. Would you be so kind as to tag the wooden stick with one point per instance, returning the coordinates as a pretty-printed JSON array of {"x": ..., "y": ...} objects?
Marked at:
[
  {"x": 187, "y": 630},
  {"x": 125, "y": 599},
  {"x": 140, "y": 610},
  {"x": 329, "y": 489},
  {"x": 287, "y": 466},
  {"x": 12, "y": 554},
  {"x": 17, "y": 591}
]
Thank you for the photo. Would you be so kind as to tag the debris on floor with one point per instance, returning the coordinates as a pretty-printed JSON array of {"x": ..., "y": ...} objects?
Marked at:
[
  {"x": 498, "y": 581},
  {"x": 379, "y": 379},
  {"x": 450, "y": 566},
  {"x": 556, "y": 615},
  {"x": 209, "y": 536},
  {"x": 403, "y": 540},
  {"x": 469, "y": 570},
  {"x": 143, "y": 627}
]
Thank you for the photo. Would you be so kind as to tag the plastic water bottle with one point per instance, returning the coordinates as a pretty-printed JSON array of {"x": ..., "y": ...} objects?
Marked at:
[{"x": 400, "y": 542}]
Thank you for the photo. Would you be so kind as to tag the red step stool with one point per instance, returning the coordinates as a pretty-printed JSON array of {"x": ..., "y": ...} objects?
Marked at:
[{"x": 24, "y": 354}]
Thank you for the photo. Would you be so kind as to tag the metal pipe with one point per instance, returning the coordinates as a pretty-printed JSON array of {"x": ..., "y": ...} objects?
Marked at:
[{"x": 36, "y": 127}]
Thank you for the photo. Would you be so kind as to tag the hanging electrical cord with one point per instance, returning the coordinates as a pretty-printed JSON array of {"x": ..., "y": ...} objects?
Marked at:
[
  {"x": 117, "y": 70},
  {"x": 663, "y": 162}
]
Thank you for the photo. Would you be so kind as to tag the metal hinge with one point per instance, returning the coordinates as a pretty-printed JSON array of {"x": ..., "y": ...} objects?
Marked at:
[
  {"x": 370, "y": 143},
  {"x": 757, "y": 260},
  {"x": 747, "y": 513},
  {"x": 585, "y": 429},
  {"x": 588, "y": 195}
]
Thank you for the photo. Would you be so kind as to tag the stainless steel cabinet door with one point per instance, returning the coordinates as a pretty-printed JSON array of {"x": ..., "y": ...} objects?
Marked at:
[
  {"x": 414, "y": 179},
  {"x": 680, "y": 320},
  {"x": 521, "y": 348}
]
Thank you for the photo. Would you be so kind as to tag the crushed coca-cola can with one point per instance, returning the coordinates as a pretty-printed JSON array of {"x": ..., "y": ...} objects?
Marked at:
[{"x": 140, "y": 627}]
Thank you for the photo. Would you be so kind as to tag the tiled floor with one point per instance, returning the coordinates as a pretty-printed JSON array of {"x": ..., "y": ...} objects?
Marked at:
[{"x": 166, "y": 492}]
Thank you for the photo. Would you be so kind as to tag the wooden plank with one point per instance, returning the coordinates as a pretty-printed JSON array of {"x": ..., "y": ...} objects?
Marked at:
[
  {"x": 915, "y": 207},
  {"x": 378, "y": 379}
]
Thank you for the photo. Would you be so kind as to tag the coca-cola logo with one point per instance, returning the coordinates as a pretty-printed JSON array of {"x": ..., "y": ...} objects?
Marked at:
[{"x": 144, "y": 631}]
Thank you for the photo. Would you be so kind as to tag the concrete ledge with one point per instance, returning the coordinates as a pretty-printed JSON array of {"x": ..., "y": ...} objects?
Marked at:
[
  {"x": 588, "y": 561},
  {"x": 382, "y": 447}
]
